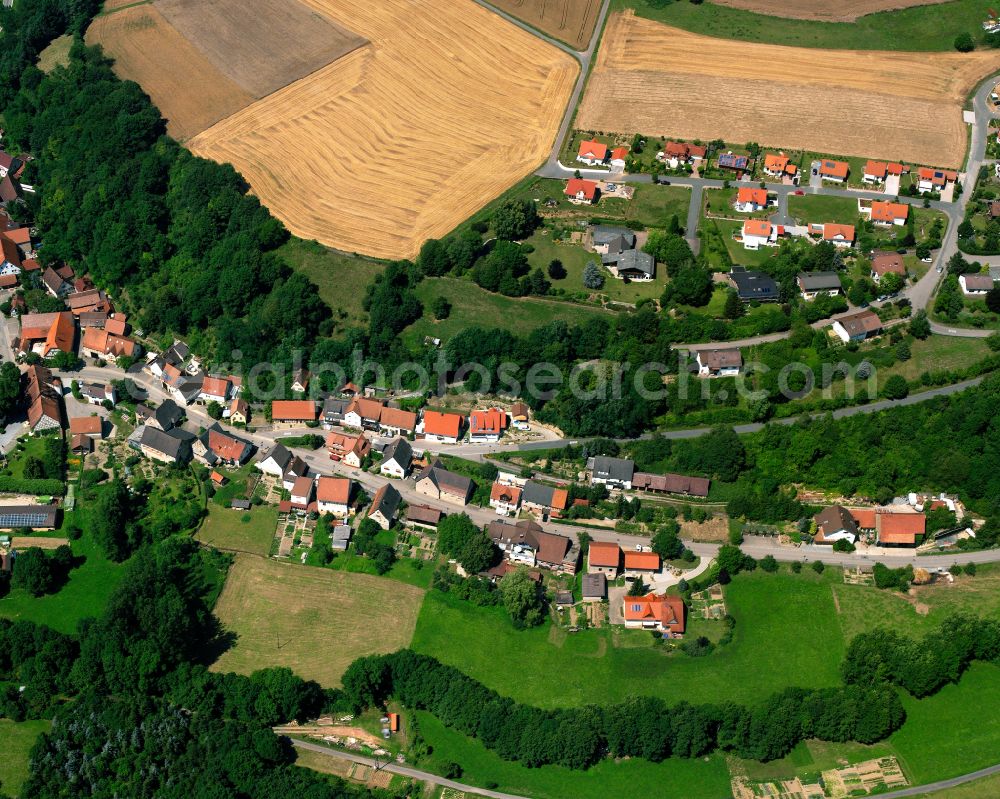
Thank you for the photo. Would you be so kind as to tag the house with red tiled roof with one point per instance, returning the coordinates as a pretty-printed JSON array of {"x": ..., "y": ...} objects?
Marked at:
[
  {"x": 619, "y": 157},
  {"x": 290, "y": 413},
  {"x": 214, "y": 389},
  {"x": 10, "y": 257},
  {"x": 780, "y": 166},
  {"x": 44, "y": 395},
  {"x": 87, "y": 426},
  {"x": 641, "y": 562},
  {"x": 934, "y": 179},
  {"x": 487, "y": 425},
  {"x": 657, "y": 612},
  {"x": 442, "y": 427},
  {"x": 759, "y": 233},
  {"x": 347, "y": 448},
  {"x": 239, "y": 411},
  {"x": 302, "y": 493},
  {"x": 97, "y": 343},
  {"x": 893, "y": 525},
  {"x": 885, "y": 214},
  {"x": 505, "y": 499},
  {"x": 749, "y": 199},
  {"x": 333, "y": 495},
  {"x": 216, "y": 446},
  {"x": 885, "y": 263},
  {"x": 592, "y": 153},
  {"x": 48, "y": 333},
  {"x": 834, "y": 171},
  {"x": 580, "y": 191},
  {"x": 675, "y": 153},
  {"x": 837, "y": 235},
  {"x": 604, "y": 557}
]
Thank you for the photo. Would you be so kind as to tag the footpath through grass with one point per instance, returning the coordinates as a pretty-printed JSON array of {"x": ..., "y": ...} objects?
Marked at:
[{"x": 931, "y": 27}]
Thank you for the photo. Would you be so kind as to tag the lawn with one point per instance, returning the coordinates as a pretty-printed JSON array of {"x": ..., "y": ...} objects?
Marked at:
[
  {"x": 932, "y": 27},
  {"x": 27, "y": 447},
  {"x": 787, "y": 633},
  {"x": 239, "y": 531},
  {"x": 84, "y": 595},
  {"x": 471, "y": 305},
  {"x": 56, "y": 54},
  {"x": 406, "y": 570},
  {"x": 819, "y": 208},
  {"x": 18, "y": 738},
  {"x": 706, "y": 778},
  {"x": 340, "y": 278},
  {"x": 737, "y": 253},
  {"x": 315, "y": 621}
]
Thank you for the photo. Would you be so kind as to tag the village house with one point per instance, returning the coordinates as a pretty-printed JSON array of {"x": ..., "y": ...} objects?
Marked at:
[
  {"x": 593, "y": 587},
  {"x": 80, "y": 444},
  {"x": 423, "y": 517},
  {"x": 183, "y": 387},
  {"x": 737, "y": 163},
  {"x": 759, "y": 233},
  {"x": 837, "y": 235},
  {"x": 292, "y": 413},
  {"x": 165, "y": 417},
  {"x": 370, "y": 414},
  {"x": 753, "y": 286},
  {"x": 487, "y": 426},
  {"x": 675, "y": 153},
  {"x": 780, "y": 166},
  {"x": 581, "y": 192},
  {"x": 300, "y": 381},
  {"x": 10, "y": 257},
  {"x": 885, "y": 263},
  {"x": 91, "y": 301},
  {"x": 519, "y": 416},
  {"x": 975, "y": 285},
  {"x": 55, "y": 284},
  {"x": 857, "y": 327},
  {"x": 438, "y": 483},
  {"x": 885, "y": 214},
  {"x": 238, "y": 411},
  {"x": 276, "y": 462},
  {"x": 295, "y": 469},
  {"x": 170, "y": 446},
  {"x": 592, "y": 153},
  {"x": 333, "y": 411},
  {"x": 90, "y": 426},
  {"x": 384, "y": 505},
  {"x": 750, "y": 199},
  {"x": 97, "y": 343},
  {"x": 216, "y": 446},
  {"x": 9, "y": 165},
  {"x": 661, "y": 613},
  {"x": 98, "y": 394},
  {"x": 333, "y": 495},
  {"x": 505, "y": 499},
  {"x": 816, "y": 284},
  {"x": 604, "y": 557},
  {"x": 935, "y": 180},
  {"x": 47, "y": 333},
  {"x": 671, "y": 484},
  {"x": 215, "y": 389},
  {"x": 528, "y": 544},
  {"x": 835, "y": 523},
  {"x": 892, "y": 525},
  {"x": 612, "y": 472},
  {"x": 631, "y": 264},
  {"x": 352, "y": 450},
  {"x": 301, "y": 493},
  {"x": 877, "y": 171},
  {"x": 397, "y": 422},
  {"x": 641, "y": 564},
  {"x": 608, "y": 238},
  {"x": 444, "y": 428},
  {"x": 44, "y": 395},
  {"x": 719, "y": 362},
  {"x": 834, "y": 171},
  {"x": 619, "y": 158},
  {"x": 544, "y": 498},
  {"x": 397, "y": 458}
]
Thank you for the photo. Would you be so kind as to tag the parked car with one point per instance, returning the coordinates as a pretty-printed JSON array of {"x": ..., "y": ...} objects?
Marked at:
[
  {"x": 799, "y": 193},
  {"x": 926, "y": 260}
]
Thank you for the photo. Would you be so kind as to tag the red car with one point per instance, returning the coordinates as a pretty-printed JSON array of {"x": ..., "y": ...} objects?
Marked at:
[{"x": 799, "y": 193}]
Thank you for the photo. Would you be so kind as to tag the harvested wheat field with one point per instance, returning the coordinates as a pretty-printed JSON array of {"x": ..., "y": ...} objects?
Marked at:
[
  {"x": 402, "y": 139},
  {"x": 662, "y": 81},
  {"x": 314, "y": 621},
  {"x": 570, "y": 21},
  {"x": 277, "y": 43},
  {"x": 845, "y": 11},
  {"x": 189, "y": 91}
]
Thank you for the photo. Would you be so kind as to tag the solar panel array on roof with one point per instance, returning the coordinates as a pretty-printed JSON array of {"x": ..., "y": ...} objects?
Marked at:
[{"x": 23, "y": 519}]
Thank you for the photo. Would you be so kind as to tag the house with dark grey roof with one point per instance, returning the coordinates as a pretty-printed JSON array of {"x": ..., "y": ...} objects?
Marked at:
[
  {"x": 813, "y": 284},
  {"x": 631, "y": 264},
  {"x": 545, "y": 498},
  {"x": 752, "y": 285},
  {"x": 170, "y": 446},
  {"x": 857, "y": 326},
  {"x": 608, "y": 238},
  {"x": 612, "y": 472},
  {"x": 166, "y": 417},
  {"x": 423, "y": 516},
  {"x": 384, "y": 506},
  {"x": 396, "y": 458},
  {"x": 594, "y": 587},
  {"x": 334, "y": 409},
  {"x": 276, "y": 462},
  {"x": 835, "y": 523},
  {"x": 437, "y": 482}
]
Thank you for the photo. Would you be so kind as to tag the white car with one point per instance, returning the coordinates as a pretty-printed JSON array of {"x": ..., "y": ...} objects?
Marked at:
[{"x": 926, "y": 260}]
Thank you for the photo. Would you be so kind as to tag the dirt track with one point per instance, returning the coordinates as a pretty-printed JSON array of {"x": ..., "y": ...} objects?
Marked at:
[
  {"x": 659, "y": 80},
  {"x": 570, "y": 21},
  {"x": 405, "y": 137},
  {"x": 846, "y": 11}
]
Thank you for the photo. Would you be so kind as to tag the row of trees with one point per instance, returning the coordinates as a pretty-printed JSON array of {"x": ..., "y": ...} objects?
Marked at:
[{"x": 639, "y": 727}]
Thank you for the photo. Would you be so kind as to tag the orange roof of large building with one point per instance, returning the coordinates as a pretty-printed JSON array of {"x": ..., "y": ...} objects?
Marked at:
[
  {"x": 293, "y": 410},
  {"x": 214, "y": 386},
  {"x": 437, "y": 423},
  {"x": 57, "y": 330},
  {"x": 775, "y": 163},
  {"x": 575, "y": 186},
  {"x": 937, "y": 177},
  {"x": 889, "y": 212},
  {"x": 342, "y": 444},
  {"x": 117, "y": 326},
  {"x": 102, "y": 341},
  {"x": 666, "y": 609},
  {"x": 642, "y": 561},
  {"x": 746, "y": 194},
  {"x": 488, "y": 422},
  {"x": 834, "y": 169},
  {"x": 619, "y": 154},
  {"x": 226, "y": 447},
  {"x": 593, "y": 150},
  {"x": 757, "y": 227},
  {"x": 86, "y": 425},
  {"x": 604, "y": 553},
  {"x": 877, "y": 169},
  {"x": 397, "y": 417},
  {"x": 333, "y": 489},
  {"x": 895, "y": 527},
  {"x": 510, "y": 495}
]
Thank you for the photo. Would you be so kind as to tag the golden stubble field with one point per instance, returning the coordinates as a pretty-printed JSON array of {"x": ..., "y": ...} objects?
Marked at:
[
  {"x": 844, "y": 11},
  {"x": 570, "y": 21},
  {"x": 405, "y": 137},
  {"x": 314, "y": 621},
  {"x": 662, "y": 81}
]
